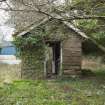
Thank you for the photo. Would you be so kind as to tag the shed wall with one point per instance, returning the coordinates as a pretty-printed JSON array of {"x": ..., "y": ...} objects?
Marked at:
[
  {"x": 32, "y": 63},
  {"x": 72, "y": 55}
]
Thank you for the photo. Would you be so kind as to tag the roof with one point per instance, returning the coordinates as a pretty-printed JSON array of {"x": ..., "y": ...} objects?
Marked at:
[
  {"x": 68, "y": 24},
  {"x": 31, "y": 27}
]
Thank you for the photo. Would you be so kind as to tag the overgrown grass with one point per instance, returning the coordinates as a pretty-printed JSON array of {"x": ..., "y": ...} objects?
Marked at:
[{"x": 85, "y": 90}]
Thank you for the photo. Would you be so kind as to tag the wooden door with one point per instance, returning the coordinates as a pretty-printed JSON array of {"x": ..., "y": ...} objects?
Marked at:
[
  {"x": 50, "y": 62},
  {"x": 53, "y": 59}
]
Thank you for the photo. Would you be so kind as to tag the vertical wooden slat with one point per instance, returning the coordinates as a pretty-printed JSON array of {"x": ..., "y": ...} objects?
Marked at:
[{"x": 61, "y": 60}]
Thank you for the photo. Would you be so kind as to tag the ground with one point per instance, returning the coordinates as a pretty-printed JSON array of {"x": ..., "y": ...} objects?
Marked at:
[
  {"x": 83, "y": 90},
  {"x": 87, "y": 89}
]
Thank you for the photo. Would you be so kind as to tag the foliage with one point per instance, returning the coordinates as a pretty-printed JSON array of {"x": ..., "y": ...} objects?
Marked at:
[
  {"x": 31, "y": 49},
  {"x": 93, "y": 28},
  {"x": 87, "y": 24},
  {"x": 37, "y": 10},
  {"x": 30, "y": 39}
]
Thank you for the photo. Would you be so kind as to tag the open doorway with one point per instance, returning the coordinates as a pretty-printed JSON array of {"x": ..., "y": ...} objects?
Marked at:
[{"x": 53, "y": 59}]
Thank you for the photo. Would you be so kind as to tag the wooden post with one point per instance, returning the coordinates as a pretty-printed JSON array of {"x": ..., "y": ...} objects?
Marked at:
[
  {"x": 61, "y": 60},
  {"x": 45, "y": 69},
  {"x": 53, "y": 60}
]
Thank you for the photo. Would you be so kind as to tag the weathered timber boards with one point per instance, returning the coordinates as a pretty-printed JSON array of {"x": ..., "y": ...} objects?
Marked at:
[
  {"x": 72, "y": 68},
  {"x": 72, "y": 58},
  {"x": 72, "y": 55},
  {"x": 70, "y": 62},
  {"x": 70, "y": 65},
  {"x": 72, "y": 45},
  {"x": 72, "y": 49},
  {"x": 71, "y": 72}
]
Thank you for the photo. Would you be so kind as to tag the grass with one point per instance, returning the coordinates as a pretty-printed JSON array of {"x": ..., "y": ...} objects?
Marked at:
[
  {"x": 84, "y": 90},
  {"x": 88, "y": 89}
]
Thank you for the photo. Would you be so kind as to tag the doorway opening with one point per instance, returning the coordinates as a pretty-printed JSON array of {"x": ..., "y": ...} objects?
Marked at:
[{"x": 53, "y": 59}]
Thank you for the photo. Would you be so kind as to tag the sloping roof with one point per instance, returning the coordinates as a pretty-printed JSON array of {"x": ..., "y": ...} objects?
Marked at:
[
  {"x": 31, "y": 27},
  {"x": 75, "y": 29},
  {"x": 68, "y": 24}
]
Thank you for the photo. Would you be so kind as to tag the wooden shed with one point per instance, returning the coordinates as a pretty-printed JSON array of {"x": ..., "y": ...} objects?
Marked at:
[{"x": 63, "y": 53}]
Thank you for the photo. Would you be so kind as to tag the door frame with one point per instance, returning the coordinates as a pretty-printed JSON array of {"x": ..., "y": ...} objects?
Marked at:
[{"x": 58, "y": 72}]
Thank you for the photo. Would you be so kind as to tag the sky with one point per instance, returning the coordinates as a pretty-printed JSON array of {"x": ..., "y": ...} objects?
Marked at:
[{"x": 5, "y": 30}]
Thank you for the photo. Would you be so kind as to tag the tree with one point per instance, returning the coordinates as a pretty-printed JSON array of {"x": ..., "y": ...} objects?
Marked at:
[
  {"x": 88, "y": 15},
  {"x": 85, "y": 14},
  {"x": 29, "y": 11}
]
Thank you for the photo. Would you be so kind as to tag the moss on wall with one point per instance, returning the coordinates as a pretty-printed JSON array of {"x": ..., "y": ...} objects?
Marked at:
[
  {"x": 32, "y": 53},
  {"x": 32, "y": 62}
]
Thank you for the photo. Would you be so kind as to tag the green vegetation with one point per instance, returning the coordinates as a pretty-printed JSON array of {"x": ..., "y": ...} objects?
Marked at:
[
  {"x": 93, "y": 28},
  {"x": 85, "y": 90},
  {"x": 31, "y": 50}
]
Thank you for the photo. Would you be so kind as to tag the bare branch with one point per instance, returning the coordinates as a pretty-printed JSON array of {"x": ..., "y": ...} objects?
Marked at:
[
  {"x": 8, "y": 5},
  {"x": 36, "y": 4},
  {"x": 51, "y": 15},
  {"x": 2, "y": 0},
  {"x": 86, "y": 17}
]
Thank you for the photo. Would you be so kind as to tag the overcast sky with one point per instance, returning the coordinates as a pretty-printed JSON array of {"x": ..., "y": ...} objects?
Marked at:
[{"x": 5, "y": 31}]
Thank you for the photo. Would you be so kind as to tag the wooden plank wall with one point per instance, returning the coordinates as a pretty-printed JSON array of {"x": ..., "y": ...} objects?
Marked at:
[{"x": 72, "y": 55}]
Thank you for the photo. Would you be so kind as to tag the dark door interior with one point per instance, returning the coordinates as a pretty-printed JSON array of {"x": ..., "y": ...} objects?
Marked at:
[
  {"x": 53, "y": 64},
  {"x": 57, "y": 57}
]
